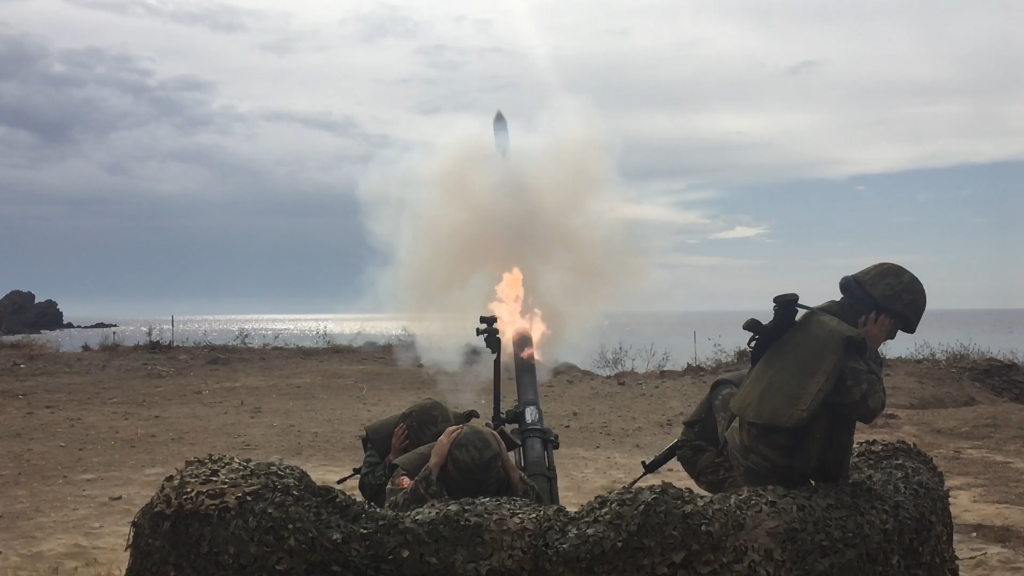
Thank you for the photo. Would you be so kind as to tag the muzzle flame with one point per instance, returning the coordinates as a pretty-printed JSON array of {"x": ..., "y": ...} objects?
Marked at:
[{"x": 511, "y": 320}]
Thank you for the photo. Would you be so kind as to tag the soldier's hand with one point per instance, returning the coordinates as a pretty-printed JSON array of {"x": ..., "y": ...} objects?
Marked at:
[
  {"x": 507, "y": 464},
  {"x": 399, "y": 442},
  {"x": 439, "y": 453},
  {"x": 876, "y": 329}
]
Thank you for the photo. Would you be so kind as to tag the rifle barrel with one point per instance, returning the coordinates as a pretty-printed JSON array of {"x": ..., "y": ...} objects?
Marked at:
[{"x": 355, "y": 472}]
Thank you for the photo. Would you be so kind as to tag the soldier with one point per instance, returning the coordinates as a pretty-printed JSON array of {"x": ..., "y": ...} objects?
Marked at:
[
  {"x": 386, "y": 440},
  {"x": 466, "y": 462},
  {"x": 702, "y": 453},
  {"x": 793, "y": 419}
]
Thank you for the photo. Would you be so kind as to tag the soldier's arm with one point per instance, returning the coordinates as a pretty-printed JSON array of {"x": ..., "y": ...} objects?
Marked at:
[
  {"x": 374, "y": 476},
  {"x": 405, "y": 493},
  {"x": 861, "y": 395}
]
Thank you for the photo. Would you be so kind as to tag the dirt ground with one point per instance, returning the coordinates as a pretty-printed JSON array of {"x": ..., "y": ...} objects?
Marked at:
[{"x": 86, "y": 438}]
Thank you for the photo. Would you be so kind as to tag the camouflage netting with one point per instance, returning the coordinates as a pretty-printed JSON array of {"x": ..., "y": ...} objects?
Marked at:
[{"x": 223, "y": 516}]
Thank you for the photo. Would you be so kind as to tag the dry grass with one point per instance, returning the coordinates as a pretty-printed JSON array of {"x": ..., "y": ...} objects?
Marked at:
[
  {"x": 28, "y": 345},
  {"x": 647, "y": 359},
  {"x": 622, "y": 358},
  {"x": 88, "y": 569},
  {"x": 958, "y": 352}
]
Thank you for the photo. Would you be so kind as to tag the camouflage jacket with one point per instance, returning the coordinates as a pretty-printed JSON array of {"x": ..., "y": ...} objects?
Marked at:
[
  {"x": 374, "y": 476},
  {"x": 820, "y": 450},
  {"x": 405, "y": 494}
]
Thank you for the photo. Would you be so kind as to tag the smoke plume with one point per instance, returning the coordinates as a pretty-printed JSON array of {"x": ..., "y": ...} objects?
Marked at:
[{"x": 452, "y": 218}]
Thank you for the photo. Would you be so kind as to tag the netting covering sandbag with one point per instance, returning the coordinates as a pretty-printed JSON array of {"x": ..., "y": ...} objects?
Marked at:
[{"x": 224, "y": 516}]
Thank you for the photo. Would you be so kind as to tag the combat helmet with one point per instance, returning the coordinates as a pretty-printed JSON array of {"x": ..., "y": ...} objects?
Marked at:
[
  {"x": 894, "y": 289},
  {"x": 473, "y": 467},
  {"x": 425, "y": 421}
]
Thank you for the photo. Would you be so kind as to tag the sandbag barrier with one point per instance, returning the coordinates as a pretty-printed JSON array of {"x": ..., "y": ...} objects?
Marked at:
[{"x": 225, "y": 516}]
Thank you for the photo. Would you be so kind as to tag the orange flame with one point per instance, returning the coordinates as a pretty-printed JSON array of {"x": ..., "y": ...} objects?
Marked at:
[{"x": 509, "y": 310}]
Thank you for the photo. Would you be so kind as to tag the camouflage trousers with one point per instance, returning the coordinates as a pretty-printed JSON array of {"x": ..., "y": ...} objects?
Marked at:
[{"x": 701, "y": 450}]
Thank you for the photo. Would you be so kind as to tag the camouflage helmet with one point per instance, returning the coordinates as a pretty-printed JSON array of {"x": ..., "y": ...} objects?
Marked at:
[
  {"x": 897, "y": 291},
  {"x": 425, "y": 421},
  {"x": 473, "y": 467}
]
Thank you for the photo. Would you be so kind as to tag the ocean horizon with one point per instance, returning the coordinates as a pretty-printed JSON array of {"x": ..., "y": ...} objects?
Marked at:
[{"x": 682, "y": 334}]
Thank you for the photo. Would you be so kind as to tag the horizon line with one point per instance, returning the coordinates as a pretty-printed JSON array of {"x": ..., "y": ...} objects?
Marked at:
[{"x": 406, "y": 314}]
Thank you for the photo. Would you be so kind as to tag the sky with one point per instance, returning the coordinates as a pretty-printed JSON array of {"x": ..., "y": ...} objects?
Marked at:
[{"x": 196, "y": 157}]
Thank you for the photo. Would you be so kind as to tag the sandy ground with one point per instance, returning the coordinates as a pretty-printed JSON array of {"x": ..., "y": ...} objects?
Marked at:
[{"x": 86, "y": 438}]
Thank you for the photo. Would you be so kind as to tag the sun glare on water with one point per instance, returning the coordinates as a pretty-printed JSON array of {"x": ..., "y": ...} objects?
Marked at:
[{"x": 509, "y": 309}]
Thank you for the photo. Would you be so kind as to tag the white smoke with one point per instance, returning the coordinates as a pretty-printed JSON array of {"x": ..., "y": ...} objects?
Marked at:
[{"x": 456, "y": 216}]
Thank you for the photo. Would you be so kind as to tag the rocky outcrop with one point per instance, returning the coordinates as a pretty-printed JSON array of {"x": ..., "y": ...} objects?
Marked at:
[{"x": 21, "y": 314}]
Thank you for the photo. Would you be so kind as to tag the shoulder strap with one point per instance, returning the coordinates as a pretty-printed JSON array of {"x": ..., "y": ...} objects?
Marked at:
[{"x": 792, "y": 379}]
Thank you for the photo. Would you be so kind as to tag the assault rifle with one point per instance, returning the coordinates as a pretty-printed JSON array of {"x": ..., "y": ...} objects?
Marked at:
[
  {"x": 764, "y": 336},
  {"x": 533, "y": 443},
  {"x": 663, "y": 457}
]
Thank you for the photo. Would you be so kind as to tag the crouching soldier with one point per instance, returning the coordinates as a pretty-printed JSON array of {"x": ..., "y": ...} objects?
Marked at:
[
  {"x": 702, "y": 449},
  {"x": 388, "y": 439},
  {"x": 466, "y": 462},
  {"x": 791, "y": 419}
]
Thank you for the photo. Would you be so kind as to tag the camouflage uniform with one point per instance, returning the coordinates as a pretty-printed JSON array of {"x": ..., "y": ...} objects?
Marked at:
[
  {"x": 702, "y": 452},
  {"x": 374, "y": 476},
  {"x": 820, "y": 448},
  {"x": 424, "y": 421},
  {"x": 473, "y": 469}
]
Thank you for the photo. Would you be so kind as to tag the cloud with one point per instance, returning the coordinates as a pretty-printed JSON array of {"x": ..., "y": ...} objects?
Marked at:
[
  {"x": 292, "y": 43},
  {"x": 679, "y": 259},
  {"x": 74, "y": 96},
  {"x": 867, "y": 260},
  {"x": 107, "y": 100},
  {"x": 384, "y": 22},
  {"x": 95, "y": 120},
  {"x": 730, "y": 112},
  {"x": 216, "y": 16},
  {"x": 659, "y": 212},
  {"x": 325, "y": 121},
  {"x": 803, "y": 68},
  {"x": 740, "y": 232}
]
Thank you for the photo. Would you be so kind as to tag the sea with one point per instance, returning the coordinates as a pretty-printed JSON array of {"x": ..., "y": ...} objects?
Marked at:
[{"x": 685, "y": 336}]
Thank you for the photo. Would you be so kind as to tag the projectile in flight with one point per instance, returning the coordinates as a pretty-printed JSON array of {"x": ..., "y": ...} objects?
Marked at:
[{"x": 501, "y": 133}]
